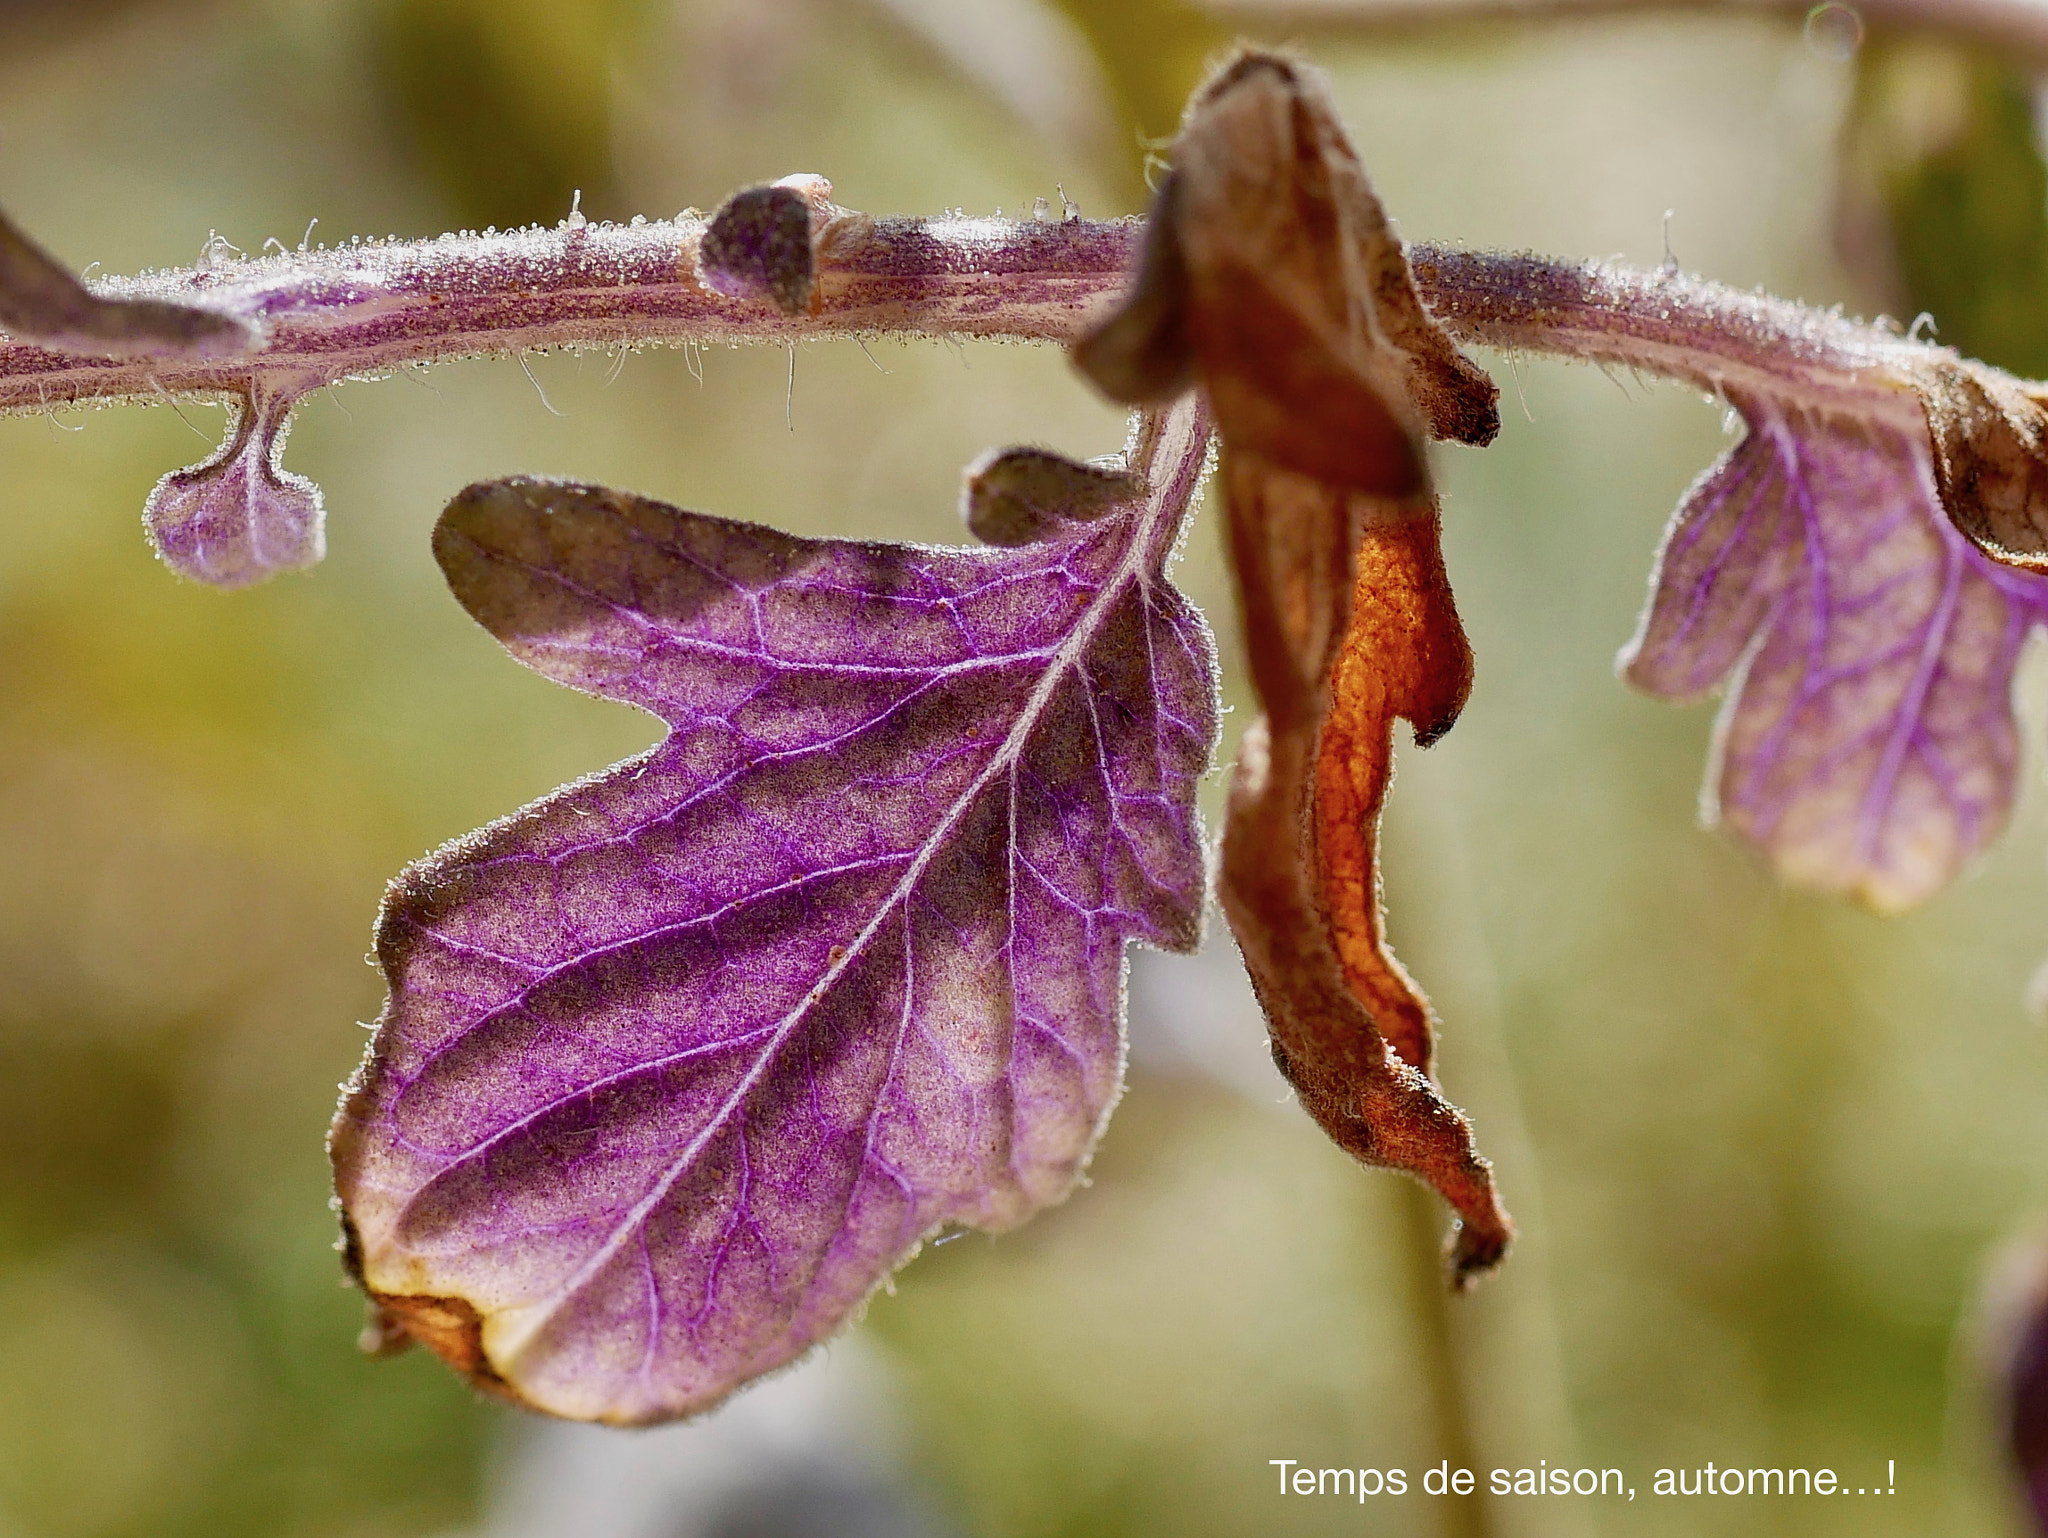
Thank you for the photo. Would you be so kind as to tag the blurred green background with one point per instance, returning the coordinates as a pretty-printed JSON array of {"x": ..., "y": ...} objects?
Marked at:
[{"x": 1761, "y": 1146}]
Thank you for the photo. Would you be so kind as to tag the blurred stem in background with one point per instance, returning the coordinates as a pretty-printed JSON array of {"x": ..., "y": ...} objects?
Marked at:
[
  {"x": 1442, "y": 1359},
  {"x": 1491, "y": 1356}
]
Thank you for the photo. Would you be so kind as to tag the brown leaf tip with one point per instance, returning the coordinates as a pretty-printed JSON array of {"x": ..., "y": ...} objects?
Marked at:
[
  {"x": 450, "y": 1327},
  {"x": 1271, "y": 275},
  {"x": 1143, "y": 353},
  {"x": 1990, "y": 434},
  {"x": 1476, "y": 1249}
]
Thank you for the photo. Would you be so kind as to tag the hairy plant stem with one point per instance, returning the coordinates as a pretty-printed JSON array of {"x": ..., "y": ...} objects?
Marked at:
[{"x": 365, "y": 310}]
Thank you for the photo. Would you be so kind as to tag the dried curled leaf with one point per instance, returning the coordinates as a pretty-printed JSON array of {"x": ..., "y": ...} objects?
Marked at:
[
  {"x": 1272, "y": 278},
  {"x": 1271, "y": 273},
  {"x": 1867, "y": 745},
  {"x": 1991, "y": 456},
  {"x": 680, "y": 1062},
  {"x": 41, "y": 302},
  {"x": 1299, "y": 878}
]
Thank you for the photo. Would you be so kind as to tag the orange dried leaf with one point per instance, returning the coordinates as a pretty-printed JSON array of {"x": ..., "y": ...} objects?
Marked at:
[
  {"x": 1273, "y": 280},
  {"x": 1404, "y": 654},
  {"x": 1299, "y": 879}
]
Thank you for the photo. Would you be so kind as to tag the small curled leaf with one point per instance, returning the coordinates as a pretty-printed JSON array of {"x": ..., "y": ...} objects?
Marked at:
[
  {"x": 763, "y": 243},
  {"x": 1020, "y": 495},
  {"x": 42, "y": 303},
  {"x": 239, "y": 517}
]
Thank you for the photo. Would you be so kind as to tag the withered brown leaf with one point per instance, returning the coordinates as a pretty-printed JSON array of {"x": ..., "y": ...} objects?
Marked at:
[
  {"x": 1272, "y": 278},
  {"x": 1299, "y": 879},
  {"x": 1990, "y": 435},
  {"x": 1271, "y": 273}
]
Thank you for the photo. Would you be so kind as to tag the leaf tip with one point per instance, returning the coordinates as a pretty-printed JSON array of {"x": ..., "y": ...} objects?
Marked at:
[
  {"x": 1021, "y": 495},
  {"x": 43, "y": 304},
  {"x": 1143, "y": 353}
]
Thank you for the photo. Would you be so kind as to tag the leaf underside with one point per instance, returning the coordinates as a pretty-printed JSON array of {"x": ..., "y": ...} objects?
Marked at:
[
  {"x": 1867, "y": 743},
  {"x": 680, "y": 1062}
]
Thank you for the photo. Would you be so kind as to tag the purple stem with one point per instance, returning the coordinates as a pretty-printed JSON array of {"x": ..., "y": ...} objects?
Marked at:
[
  {"x": 1671, "y": 323},
  {"x": 368, "y": 308}
]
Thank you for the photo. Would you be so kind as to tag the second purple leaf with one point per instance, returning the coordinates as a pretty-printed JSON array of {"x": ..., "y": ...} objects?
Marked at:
[
  {"x": 681, "y": 1062},
  {"x": 1867, "y": 744}
]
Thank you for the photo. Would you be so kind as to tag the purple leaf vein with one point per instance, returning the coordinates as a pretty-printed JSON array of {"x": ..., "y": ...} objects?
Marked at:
[
  {"x": 1867, "y": 741},
  {"x": 681, "y": 1061}
]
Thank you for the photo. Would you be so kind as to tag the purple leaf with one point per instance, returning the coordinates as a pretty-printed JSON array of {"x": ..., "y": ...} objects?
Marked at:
[
  {"x": 681, "y": 1061},
  {"x": 240, "y": 517},
  {"x": 1867, "y": 744}
]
